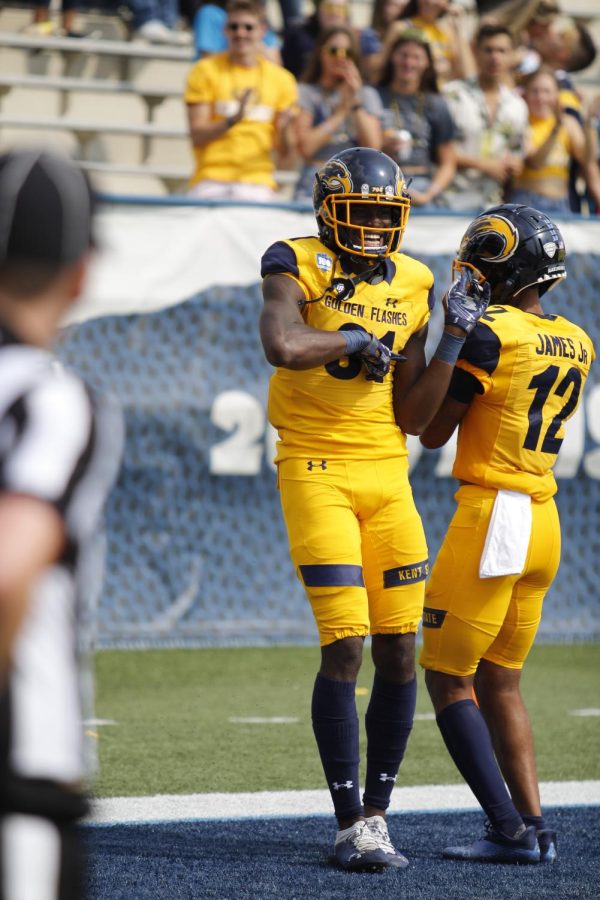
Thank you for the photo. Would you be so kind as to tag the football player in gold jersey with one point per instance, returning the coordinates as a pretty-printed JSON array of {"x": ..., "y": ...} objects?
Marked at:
[
  {"x": 519, "y": 378},
  {"x": 345, "y": 321}
]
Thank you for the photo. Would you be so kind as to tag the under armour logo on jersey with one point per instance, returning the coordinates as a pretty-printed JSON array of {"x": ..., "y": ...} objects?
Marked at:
[
  {"x": 310, "y": 465},
  {"x": 344, "y": 784},
  {"x": 391, "y": 302},
  {"x": 383, "y": 776}
]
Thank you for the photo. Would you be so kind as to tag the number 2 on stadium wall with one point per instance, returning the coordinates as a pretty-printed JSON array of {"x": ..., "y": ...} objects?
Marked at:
[
  {"x": 242, "y": 452},
  {"x": 354, "y": 365},
  {"x": 542, "y": 384}
]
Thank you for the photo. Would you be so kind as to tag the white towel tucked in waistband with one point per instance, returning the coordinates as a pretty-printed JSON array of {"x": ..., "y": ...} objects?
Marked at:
[{"x": 507, "y": 539}]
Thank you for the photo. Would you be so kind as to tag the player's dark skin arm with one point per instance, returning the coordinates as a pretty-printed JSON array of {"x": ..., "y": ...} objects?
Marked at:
[
  {"x": 287, "y": 340},
  {"x": 419, "y": 389},
  {"x": 445, "y": 421}
]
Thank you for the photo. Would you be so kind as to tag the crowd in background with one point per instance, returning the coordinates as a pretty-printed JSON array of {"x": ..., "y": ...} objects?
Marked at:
[
  {"x": 476, "y": 105},
  {"x": 475, "y": 109}
]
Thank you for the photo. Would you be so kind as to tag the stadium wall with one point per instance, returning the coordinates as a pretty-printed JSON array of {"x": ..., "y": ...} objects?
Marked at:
[{"x": 196, "y": 546}]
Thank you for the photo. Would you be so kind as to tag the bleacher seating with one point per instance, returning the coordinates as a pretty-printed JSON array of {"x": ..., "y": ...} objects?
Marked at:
[{"x": 99, "y": 101}]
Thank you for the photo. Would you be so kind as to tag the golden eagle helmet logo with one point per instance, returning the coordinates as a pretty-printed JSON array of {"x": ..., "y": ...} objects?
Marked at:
[
  {"x": 490, "y": 237},
  {"x": 512, "y": 247},
  {"x": 335, "y": 178}
]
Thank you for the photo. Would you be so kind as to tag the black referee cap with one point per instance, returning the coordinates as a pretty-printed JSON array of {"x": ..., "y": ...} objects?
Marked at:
[{"x": 46, "y": 209}]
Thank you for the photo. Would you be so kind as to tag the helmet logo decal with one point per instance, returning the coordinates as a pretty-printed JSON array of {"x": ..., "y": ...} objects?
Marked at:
[
  {"x": 336, "y": 178},
  {"x": 499, "y": 227},
  {"x": 550, "y": 249}
]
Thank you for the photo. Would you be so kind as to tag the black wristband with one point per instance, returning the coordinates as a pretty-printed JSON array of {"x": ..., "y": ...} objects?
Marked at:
[
  {"x": 356, "y": 340},
  {"x": 230, "y": 121}
]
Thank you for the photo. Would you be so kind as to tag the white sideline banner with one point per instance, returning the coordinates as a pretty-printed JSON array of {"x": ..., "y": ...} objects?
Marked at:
[{"x": 154, "y": 257}]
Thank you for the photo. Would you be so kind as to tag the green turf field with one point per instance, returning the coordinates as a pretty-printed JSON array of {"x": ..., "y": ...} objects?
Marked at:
[{"x": 173, "y": 732}]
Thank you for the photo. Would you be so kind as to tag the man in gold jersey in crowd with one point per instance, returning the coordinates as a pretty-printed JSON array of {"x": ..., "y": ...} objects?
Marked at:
[
  {"x": 339, "y": 310},
  {"x": 518, "y": 379},
  {"x": 240, "y": 108}
]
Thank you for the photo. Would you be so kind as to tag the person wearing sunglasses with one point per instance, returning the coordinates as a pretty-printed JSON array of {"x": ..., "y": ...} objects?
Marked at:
[
  {"x": 240, "y": 109},
  {"x": 336, "y": 110},
  {"x": 300, "y": 38},
  {"x": 210, "y": 34}
]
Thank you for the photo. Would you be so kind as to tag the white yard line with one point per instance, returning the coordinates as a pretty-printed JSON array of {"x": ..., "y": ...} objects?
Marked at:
[{"x": 276, "y": 804}]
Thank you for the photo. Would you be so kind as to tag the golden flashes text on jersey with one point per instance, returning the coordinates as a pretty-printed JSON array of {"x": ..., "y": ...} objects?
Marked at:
[
  {"x": 375, "y": 314},
  {"x": 555, "y": 345}
]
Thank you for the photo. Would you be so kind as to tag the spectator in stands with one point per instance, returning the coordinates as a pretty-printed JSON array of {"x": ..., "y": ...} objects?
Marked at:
[
  {"x": 300, "y": 40},
  {"x": 210, "y": 35},
  {"x": 385, "y": 13},
  {"x": 592, "y": 155},
  {"x": 559, "y": 42},
  {"x": 156, "y": 21},
  {"x": 58, "y": 456},
  {"x": 418, "y": 128},
  {"x": 490, "y": 120},
  {"x": 337, "y": 110},
  {"x": 553, "y": 140},
  {"x": 443, "y": 25},
  {"x": 543, "y": 35},
  {"x": 240, "y": 110},
  {"x": 42, "y": 24}
]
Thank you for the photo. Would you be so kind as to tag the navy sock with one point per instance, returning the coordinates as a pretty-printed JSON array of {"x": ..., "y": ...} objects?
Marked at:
[
  {"x": 538, "y": 821},
  {"x": 335, "y": 725},
  {"x": 468, "y": 741},
  {"x": 389, "y": 721}
]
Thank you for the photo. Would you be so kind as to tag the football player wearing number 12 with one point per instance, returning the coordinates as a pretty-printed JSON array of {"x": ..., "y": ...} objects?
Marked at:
[
  {"x": 519, "y": 377},
  {"x": 345, "y": 321}
]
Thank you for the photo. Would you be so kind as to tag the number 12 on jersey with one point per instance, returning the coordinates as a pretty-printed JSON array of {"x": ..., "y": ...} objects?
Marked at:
[{"x": 545, "y": 385}]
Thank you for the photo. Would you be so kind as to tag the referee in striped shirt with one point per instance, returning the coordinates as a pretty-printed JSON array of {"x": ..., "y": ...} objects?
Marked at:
[{"x": 59, "y": 447}]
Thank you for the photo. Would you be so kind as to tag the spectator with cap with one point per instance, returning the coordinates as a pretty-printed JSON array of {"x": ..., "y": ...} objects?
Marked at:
[
  {"x": 59, "y": 448},
  {"x": 337, "y": 111},
  {"x": 240, "y": 111}
]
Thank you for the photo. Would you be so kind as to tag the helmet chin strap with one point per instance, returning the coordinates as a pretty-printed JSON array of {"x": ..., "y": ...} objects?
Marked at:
[
  {"x": 374, "y": 274},
  {"x": 344, "y": 286}
]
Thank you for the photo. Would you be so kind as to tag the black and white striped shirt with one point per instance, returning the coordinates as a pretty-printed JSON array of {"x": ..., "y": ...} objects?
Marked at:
[{"x": 61, "y": 444}]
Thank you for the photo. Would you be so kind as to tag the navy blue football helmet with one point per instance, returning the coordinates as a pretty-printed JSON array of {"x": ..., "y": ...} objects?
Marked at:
[
  {"x": 513, "y": 247},
  {"x": 361, "y": 176}
]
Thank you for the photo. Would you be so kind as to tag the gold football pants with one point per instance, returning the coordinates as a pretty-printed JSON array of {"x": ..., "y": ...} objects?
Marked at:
[
  {"x": 357, "y": 543},
  {"x": 468, "y": 618}
]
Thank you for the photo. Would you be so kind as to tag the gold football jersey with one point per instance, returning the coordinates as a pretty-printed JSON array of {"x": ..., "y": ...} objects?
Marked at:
[
  {"x": 332, "y": 411},
  {"x": 530, "y": 371}
]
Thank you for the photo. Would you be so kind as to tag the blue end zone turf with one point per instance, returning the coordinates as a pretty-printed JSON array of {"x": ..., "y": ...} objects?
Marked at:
[{"x": 288, "y": 858}]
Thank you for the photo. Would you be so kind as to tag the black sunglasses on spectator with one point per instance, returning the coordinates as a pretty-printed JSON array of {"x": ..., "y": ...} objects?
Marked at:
[
  {"x": 342, "y": 52},
  {"x": 239, "y": 26}
]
